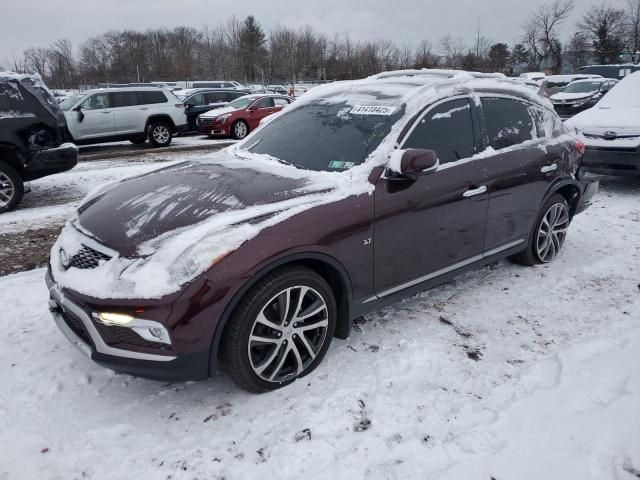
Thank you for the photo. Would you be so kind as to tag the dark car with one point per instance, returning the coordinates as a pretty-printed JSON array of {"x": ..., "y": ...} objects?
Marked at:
[
  {"x": 359, "y": 195},
  {"x": 556, "y": 83},
  {"x": 241, "y": 116},
  {"x": 32, "y": 136},
  {"x": 580, "y": 95},
  {"x": 199, "y": 101}
]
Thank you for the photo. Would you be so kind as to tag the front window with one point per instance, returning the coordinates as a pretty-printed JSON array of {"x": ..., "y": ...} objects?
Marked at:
[
  {"x": 582, "y": 87},
  {"x": 242, "y": 102},
  {"x": 69, "y": 102},
  {"x": 325, "y": 136},
  {"x": 98, "y": 101}
]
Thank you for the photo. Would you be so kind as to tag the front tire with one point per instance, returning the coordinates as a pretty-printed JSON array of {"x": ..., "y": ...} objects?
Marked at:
[
  {"x": 239, "y": 129},
  {"x": 549, "y": 233},
  {"x": 280, "y": 331},
  {"x": 159, "y": 134},
  {"x": 11, "y": 188}
]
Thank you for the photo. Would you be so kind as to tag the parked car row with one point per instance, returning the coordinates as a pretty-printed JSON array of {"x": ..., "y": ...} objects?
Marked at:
[{"x": 358, "y": 195}]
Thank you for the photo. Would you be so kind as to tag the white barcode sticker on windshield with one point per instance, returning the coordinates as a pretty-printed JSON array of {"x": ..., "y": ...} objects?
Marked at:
[{"x": 372, "y": 110}]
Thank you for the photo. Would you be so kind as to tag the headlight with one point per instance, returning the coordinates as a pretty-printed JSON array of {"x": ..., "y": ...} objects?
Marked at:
[{"x": 222, "y": 118}]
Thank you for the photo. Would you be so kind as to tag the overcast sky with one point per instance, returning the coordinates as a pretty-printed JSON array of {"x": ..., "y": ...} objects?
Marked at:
[{"x": 28, "y": 23}]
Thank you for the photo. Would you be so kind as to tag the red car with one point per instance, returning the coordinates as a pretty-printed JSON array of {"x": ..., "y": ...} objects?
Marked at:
[{"x": 241, "y": 116}]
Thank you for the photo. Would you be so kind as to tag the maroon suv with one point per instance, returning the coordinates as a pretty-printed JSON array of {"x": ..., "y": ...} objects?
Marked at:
[{"x": 360, "y": 194}]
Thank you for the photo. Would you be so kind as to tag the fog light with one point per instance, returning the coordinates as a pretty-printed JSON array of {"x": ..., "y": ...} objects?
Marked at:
[
  {"x": 115, "y": 318},
  {"x": 153, "y": 333}
]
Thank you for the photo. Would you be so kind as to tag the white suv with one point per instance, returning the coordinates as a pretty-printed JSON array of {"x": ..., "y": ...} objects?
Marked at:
[{"x": 129, "y": 113}]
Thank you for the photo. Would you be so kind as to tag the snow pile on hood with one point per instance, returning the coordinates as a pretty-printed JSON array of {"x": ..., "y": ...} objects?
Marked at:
[
  {"x": 165, "y": 263},
  {"x": 572, "y": 96},
  {"x": 217, "y": 112},
  {"x": 618, "y": 111}
]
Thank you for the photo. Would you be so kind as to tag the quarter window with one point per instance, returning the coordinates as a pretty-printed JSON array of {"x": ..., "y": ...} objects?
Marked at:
[
  {"x": 196, "y": 100},
  {"x": 447, "y": 129},
  {"x": 508, "y": 122},
  {"x": 150, "y": 97}
]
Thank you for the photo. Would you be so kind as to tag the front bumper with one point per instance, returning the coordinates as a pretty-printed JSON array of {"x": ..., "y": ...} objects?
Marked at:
[
  {"x": 75, "y": 322},
  {"x": 50, "y": 161},
  {"x": 612, "y": 161}
]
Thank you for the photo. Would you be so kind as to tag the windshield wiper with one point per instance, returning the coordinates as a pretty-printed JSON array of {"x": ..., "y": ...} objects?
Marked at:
[{"x": 284, "y": 162}]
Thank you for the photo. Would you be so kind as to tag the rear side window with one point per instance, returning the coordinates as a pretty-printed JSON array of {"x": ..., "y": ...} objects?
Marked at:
[
  {"x": 124, "y": 99},
  {"x": 508, "y": 122},
  {"x": 149, "y": 97},
  {"x": 216, "y": 97},
  {"x": 447, "y": 129},
  {"x": 196, "y": 100}
]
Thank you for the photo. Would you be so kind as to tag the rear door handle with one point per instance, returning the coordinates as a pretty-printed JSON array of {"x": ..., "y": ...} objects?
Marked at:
[
  {"x": 549, "y": 168},
  {"x": 474, "y": 191}
]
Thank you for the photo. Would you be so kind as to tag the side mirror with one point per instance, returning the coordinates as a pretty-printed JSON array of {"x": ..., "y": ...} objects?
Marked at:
[
  {"x": 77, "y": 109},
  {"x": 251, "y": 109},
  {"x": 414, "y": 162}
]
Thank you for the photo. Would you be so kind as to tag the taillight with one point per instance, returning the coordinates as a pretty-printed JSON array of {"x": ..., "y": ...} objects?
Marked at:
[
  {"x": 180, "y": 105},
  {"x": 580, "y": 147}
]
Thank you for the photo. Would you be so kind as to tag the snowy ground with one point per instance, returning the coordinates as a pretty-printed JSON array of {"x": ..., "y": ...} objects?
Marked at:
[{"x": 509, "y": 373}]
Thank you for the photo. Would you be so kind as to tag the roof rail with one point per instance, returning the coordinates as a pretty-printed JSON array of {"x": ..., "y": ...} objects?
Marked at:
[{"x": 434, "y": 72}]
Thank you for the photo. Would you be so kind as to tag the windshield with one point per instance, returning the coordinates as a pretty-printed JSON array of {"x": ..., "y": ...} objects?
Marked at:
[
  {"x": 325, "y": 136},
  {"x": 582, "y": 87},
  {"x": 69, "y": 102},
  {"x": 242, "y": 102}
]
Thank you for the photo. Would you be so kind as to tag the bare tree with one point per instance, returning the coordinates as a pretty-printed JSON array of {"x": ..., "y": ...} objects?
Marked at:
[
  {"x": 632, "y": 40},
  {"x": 605, "y": 28},
  {"x": 542, "y": 33}
]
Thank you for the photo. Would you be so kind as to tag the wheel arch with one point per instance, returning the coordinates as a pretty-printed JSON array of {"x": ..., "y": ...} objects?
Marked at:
[
  {"x": 570, "y": 190},
  {"x": 160, "y": 117},
  {"x": 325, "y": 265},
  {"x": 9, "y": 155}
]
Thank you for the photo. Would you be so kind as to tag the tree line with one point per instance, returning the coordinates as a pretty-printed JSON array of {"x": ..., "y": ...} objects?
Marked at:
[{"x": 242, "y": 50}]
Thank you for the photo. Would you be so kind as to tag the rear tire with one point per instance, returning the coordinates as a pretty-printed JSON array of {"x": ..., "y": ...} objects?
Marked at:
[
  {"x": 159, "y": 134},
  {"x": 11, "y": 188},
  {"x": 280, "y": 331},
  {"x": 239, "y": 130},
  {"x": 548, "y": 235}
]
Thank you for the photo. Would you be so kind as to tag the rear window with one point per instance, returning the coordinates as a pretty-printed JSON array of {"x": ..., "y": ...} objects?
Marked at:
[
  {"x": 508, "y": 122},
  {"x": 149, "y": 97}
]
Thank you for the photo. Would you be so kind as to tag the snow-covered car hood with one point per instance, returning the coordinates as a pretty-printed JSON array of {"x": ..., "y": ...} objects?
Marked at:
[
  {"x": 604, "y": 126},
  {"x": 218, "y": 111},
  {"x": 160, "y": 230},
  {"x": 571, "y": 96},
  {"x": 150, "y": 205}
]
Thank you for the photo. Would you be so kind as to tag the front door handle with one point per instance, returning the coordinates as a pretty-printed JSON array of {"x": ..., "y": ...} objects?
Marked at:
[
  {"x": 549, "y": 168},
  {"x": 474, "y": 191}
]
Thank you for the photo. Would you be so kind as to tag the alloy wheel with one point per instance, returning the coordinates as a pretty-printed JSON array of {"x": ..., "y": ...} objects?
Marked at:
[
  {"x": 7, "y": 190},
  {"x": 288, "y": 334},
  {"x": 161, "y": 134},
  {"x": 552, "y": 232},
  {"x": 240, "y": 130}
]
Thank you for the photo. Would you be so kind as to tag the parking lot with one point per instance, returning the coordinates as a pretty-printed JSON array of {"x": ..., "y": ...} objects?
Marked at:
[{"x": 432, "y": 386}]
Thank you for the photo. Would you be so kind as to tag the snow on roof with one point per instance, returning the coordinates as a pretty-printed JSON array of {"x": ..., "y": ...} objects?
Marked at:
[
  {"x": 626, "y": 93},
  {"x": 570, "y": 78}
]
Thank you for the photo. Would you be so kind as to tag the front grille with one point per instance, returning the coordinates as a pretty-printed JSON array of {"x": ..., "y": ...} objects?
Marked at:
[
  {"x": 205, "y": 122},
  {"x": 87, "y": 258},
  {"x": 76, "y": 325},
  {"x": 128, "y": 336}
]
